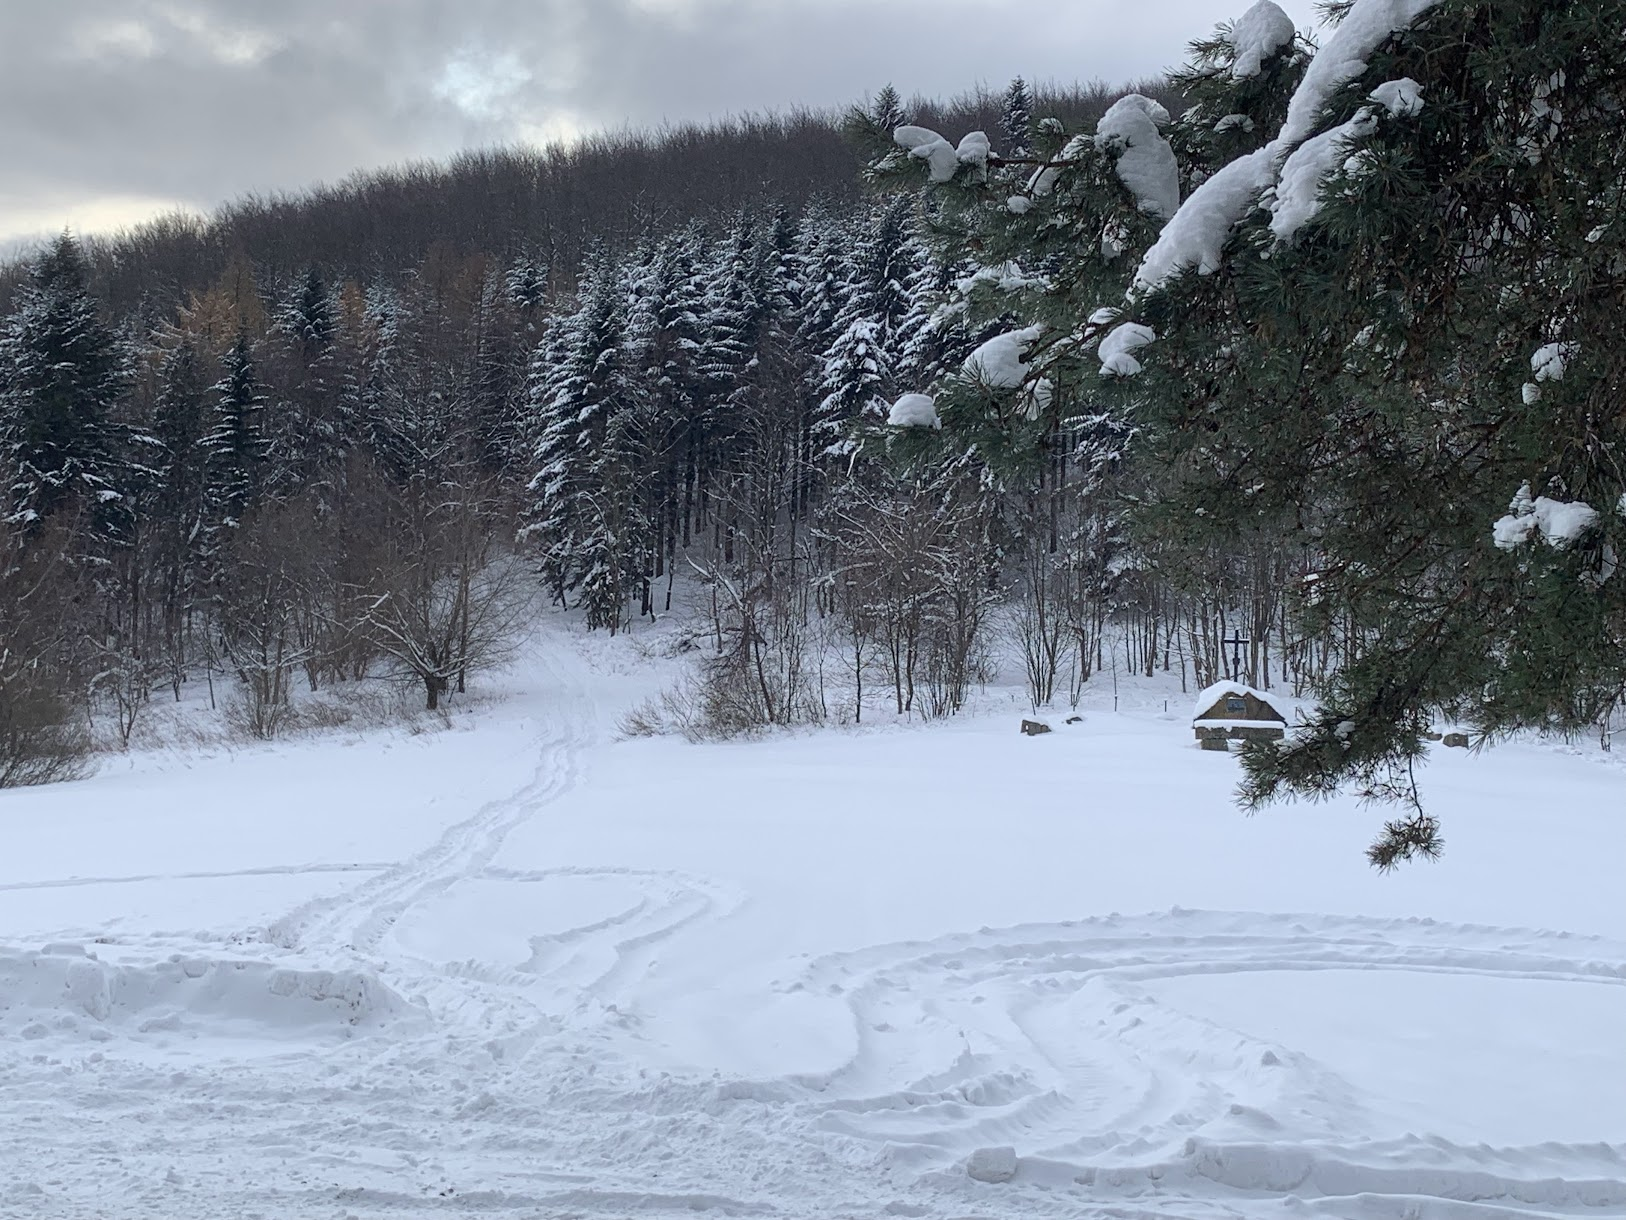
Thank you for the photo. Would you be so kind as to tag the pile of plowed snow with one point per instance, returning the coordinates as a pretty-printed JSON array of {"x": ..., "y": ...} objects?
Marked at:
[{"x": 65, "y": 988}]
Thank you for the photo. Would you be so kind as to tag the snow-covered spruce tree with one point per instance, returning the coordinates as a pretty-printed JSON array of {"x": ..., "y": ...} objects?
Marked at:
[
  {"x": 870, "y": 331},
  {"x": 578, "y": 385},
  {"x": 235, "y": 442},
  {"x": 1016, "y": 119},
  {"x": 179, "y": 506},
  {"x": 1389, "y": 326},
  {"x": 309, "y": 421},
  {"x": 62, "y": 372}
]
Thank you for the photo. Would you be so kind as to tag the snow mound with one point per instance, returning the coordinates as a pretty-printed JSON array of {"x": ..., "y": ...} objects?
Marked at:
[
  {"x": 914, "y": 411},
  {"x": 992, "y": 1164},
  {"x": 66, "y": 981},
  {"x": 1257, "y": 35},
  {"x": 1146, "y": 163}
]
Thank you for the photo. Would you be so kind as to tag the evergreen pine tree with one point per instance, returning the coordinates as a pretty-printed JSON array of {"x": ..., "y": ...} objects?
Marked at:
[
  {"x": 1375, "y": 333},
  {"x": 1391, "y": 360},
  {"x": 310, "y": 425}
]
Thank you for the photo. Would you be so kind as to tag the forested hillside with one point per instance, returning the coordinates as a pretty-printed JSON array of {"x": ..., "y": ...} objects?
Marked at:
[{"x": 296, "y": 443}]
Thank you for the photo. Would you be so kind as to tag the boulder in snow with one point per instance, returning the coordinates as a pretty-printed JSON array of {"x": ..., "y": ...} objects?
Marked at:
[{"x": 992, "y": 1165}]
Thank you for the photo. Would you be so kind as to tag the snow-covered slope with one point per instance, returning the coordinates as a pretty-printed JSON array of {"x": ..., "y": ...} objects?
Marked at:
[{"x": 521, "y": 969}]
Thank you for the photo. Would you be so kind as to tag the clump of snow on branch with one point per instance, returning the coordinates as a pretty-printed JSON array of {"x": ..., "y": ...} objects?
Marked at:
[
  {"x": 974, "y": 149},
  {"x": 914, "y": 411},
  {"x": 944, "y": 158},
  {"x": 1001, "y": 362},
  {"x": 1366, "y": 27},
  {"x": 1018, "y": 205},
  {"x": 1402, "y": 98},
  {"x": 1117, "y": 348},
  {"x": 1007, "y": 277},
  {"x": 1044, "y": 178},
  {"x": 1234, "y": 122},
  {"x": 1257, "y": 35},
  {"x": 1298, "y": 185},
  {"x": 928, "y": 146},
  {"x": 1146, "y": 163},
  {"x": 1196, "y": 236},
  {"x": 1559, "y": 522},
  {"x": 1551, "y": 360}
]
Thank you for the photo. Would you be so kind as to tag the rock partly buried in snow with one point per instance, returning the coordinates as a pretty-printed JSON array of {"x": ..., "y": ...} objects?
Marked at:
[
  {"x": 1457, "y": 741},
  {"x": 992, "y": 1165},
  {"x": 1033, "y": 728}
]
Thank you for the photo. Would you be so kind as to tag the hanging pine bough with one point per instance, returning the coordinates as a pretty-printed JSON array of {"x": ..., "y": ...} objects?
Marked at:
[{"x": 1381, "y": 326}]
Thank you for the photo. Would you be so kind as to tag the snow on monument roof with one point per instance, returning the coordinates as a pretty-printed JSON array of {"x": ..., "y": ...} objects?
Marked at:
[{"x": 1213, "y": 694}]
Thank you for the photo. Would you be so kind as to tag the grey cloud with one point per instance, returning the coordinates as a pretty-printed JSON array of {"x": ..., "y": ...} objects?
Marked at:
[{"x": 123, "y": 104}]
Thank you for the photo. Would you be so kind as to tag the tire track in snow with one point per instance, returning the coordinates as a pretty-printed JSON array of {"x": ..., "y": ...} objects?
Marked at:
[{"x": 1040, "y": 1037}]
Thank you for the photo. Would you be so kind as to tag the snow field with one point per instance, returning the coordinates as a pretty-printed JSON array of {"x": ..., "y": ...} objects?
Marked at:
[{"x": 520, "y": 968}]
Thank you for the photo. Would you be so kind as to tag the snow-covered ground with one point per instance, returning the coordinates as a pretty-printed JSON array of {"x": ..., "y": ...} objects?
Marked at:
[{"x": 520, "y": 968}]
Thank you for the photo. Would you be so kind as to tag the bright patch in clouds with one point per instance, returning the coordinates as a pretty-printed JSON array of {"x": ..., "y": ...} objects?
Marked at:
[
  {"x": 227, "y": 43},
  {"x": 23, "y": 220},
  {"x": 114, "y": 40},
  {"x": 483, "y": 86}
]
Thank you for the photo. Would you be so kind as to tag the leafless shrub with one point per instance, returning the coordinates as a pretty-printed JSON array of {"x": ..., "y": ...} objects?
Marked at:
[{"x": 42, "y": 737}]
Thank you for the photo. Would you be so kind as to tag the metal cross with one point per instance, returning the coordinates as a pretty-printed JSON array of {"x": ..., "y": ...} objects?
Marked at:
[{"x": 1236, "y": 642}]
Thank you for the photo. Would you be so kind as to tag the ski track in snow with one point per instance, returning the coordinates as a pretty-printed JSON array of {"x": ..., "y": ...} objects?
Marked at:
[
  {"x": 270, "y": 870},
  {"x": 331, "y": 1064}
]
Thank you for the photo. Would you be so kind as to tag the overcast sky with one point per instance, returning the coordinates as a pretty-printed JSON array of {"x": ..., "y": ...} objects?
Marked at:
[{"x": 111, "y": 110}]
